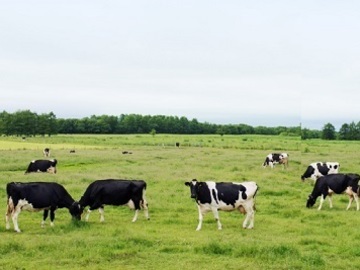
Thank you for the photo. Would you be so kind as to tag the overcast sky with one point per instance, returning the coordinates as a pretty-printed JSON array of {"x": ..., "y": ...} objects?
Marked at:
[{"x": 268, "y": 62}]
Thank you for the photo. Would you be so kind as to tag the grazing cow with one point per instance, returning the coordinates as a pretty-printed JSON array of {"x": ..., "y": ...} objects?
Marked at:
[
  {"x": 177, "y": 144},
  {"x": 318, "y": 169},
  {"x": 115, "y": 192},
  {"x": 335, "y": 183},
  {"x": 72, "y": 151},
  {"x": 38, "y": 196},
  {"x": 46, "y": 152},
  {"x": 42, "y": 166},
  {"x": 276, "y": 158},
  {"x": 227, "y": 196}
]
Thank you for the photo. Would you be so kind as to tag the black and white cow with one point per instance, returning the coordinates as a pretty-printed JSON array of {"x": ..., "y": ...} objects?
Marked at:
[
  {"x": 227, "y": 196},
  {"x": 46, "y": 152},
  {"x": 38, "y": 196},
  {"x": 115, "y": 192},
  {"x": 276, "y": 158},
  {"x": 42, "y": 166},
  {"x": 318, "y": 169},
  {"x": 335, "y": 183}
]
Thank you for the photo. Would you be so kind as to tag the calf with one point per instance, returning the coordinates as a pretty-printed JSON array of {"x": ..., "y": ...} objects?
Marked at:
[
  {"x": 318, "y": 169},
  {"x": 227, "y": 196},
  {"x": 335, "y": 183},
  {"x": 42, "y": 166},
  {"x": 115, "y": 192},
  {"x": 276, "y": 158},
  {"x": 38, "y": 196}
]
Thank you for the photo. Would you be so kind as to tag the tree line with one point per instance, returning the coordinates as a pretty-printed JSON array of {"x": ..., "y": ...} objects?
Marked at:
[
  {"x": 27, "y": 123},
  {"x": 348, "y": 131}
]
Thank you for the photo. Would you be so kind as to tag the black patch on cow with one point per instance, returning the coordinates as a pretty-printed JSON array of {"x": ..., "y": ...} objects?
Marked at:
[
  {"x": 276, "y": 157},
  {"x": 202, "y": 193},
  {"x": 309, "y": 171},
  {"x": 229, "y": 192},
  {"x": 323, "y": 169}
]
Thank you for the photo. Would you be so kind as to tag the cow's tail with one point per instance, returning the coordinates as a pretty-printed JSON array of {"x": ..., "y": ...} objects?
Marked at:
[{"x": 9, "y": 203}]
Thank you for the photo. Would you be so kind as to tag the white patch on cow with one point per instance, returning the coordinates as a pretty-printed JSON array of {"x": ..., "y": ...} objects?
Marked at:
[{"x": 131, "y": 204}]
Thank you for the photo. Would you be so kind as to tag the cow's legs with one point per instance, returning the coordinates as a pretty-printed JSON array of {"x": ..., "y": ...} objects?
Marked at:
[
  {"x": 351, "y": 198},
  {"x": 322, "y": 199},
  {"x": 9, "y": 210},
  {"x": 356, "y": 197},
  {"x": 101, "y": 212},
  {"x": 52, "y": 216},
  {"x": 250, "y": 215},
  {"x": 330, "y": 200},
  {"x": 217, "y": 218},
  {"x": 136, "y": 215},
  {"x": 87, "y": 215},
  {"x": 14, "y": 217},
  {"x": 144, "y": 205},
  {"x": 201, "y": 216},
  {"x": 46, "y": 213}
]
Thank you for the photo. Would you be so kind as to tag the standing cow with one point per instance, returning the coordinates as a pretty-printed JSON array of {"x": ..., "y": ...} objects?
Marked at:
[
  {"x": 115, "y": 192},
  {"x": 38, "y": 196},
  {"x": 46, "y": 152},
  {"x": 318, "y": 169},
  {"x": 335, "y": 183},
  {"x": 42, "y": 166},
  {"x": 276, "y": 158},
  {"x": 227, "y": 196}
]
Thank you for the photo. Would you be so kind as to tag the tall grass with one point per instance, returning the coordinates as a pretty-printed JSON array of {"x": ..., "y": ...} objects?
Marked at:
[{"x": 287, "y": 235}]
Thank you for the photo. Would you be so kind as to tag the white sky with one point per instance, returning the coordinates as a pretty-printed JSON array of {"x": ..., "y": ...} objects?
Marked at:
[{"x": 264, "y": 62}]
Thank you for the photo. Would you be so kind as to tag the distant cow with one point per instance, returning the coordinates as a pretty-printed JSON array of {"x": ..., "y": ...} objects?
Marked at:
[
  {"x": 42, "y": 166},
  {"x": 115, "y": 192},
  {"x": 38, "y": 196},
  {"x": 227, "y": 196},
  {"x": 177, "y": 144},
  {"x": 276, "y": 158},
  {"x": 335, "y": 183},
  {"x": 46, "y": 152},
  {"x": 318, "y": 169}
]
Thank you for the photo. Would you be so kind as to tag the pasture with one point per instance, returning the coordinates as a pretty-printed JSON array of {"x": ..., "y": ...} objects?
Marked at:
[{"x": 287, "y": 235}]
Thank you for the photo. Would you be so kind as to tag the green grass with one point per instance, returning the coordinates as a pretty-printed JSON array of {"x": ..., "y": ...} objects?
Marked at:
[{"x": 287, "y": 235}]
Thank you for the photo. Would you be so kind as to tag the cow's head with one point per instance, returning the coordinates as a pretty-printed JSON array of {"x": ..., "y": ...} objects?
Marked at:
[
  {"x": 194, "y": 186},
  {"x": 311, "y": 201},
  {"x": 76, "y": 210}
]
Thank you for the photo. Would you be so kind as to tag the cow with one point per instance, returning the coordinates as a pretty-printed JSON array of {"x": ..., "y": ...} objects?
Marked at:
[
  {"x": 42, "y": 166},
  {"x": 46, "y": 152},
  {"x": 38, "y": 196},
  {"x": 318, "y": 169},
  {"x": 335, "y": 183},
  {"x": 227, "y": 196},
  {"x": 276, "y": 158},
  {"x": 115, "y": 192}
]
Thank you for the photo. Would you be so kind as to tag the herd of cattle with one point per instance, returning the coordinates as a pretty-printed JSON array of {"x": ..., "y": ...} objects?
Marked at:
[{"x": 209, "y": 195}]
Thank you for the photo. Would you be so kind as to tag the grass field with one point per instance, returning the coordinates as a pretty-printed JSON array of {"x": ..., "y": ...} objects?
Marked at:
[{"x": 287, "y": 235}]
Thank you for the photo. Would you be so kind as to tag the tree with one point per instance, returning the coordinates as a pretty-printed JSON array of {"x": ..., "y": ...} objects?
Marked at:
[{"x": 328, "y": 132}]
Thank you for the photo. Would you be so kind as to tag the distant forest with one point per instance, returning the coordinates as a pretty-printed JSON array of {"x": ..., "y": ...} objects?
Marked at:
[{"x": 27, "y": 123}]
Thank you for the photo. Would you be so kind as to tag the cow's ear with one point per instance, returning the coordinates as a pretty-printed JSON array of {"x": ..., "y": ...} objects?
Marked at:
[{"x": 187, "y": 183}]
